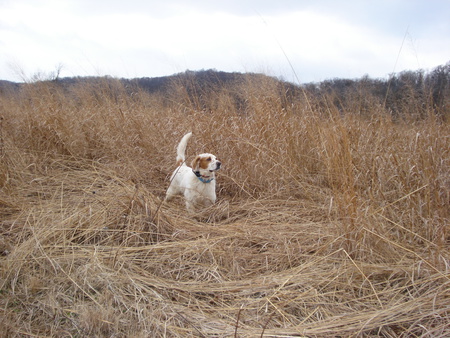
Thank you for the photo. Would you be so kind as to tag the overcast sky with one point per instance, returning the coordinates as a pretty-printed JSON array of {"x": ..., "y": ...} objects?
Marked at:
[{"x": 315, "y": 40}]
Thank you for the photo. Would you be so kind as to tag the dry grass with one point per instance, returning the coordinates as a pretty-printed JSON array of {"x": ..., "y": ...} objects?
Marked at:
[{"x": 326, "y": 224}]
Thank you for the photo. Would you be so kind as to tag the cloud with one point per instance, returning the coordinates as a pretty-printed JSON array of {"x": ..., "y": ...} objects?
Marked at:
[{"x": 320, "y": 39}]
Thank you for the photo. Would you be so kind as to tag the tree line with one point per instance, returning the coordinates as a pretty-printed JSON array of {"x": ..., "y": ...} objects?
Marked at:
[{"x": 409, "y": 93}]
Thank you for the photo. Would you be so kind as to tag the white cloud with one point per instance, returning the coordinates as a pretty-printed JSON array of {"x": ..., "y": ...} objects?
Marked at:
[{"x": 148, "y": 38}]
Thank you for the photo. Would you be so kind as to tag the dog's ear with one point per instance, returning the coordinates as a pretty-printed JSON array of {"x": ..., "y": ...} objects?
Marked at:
[{"x": 195, "y": 163}]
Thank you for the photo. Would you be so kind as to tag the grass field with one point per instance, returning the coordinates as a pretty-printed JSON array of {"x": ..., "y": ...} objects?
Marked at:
[{"x": 327, "y": 224}]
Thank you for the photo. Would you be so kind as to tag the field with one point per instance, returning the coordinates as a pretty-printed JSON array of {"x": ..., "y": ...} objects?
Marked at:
[{"x": 329, "y": 222}]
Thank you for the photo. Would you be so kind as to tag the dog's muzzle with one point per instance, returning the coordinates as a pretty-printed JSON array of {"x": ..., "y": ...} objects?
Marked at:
[{"x": 218, "y": 164}]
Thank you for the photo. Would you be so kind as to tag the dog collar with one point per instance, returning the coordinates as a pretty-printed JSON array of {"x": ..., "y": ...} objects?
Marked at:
[{"x": 200, "y": 177}]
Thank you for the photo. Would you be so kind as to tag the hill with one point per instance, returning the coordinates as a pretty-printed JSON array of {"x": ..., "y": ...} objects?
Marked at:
[{"x": 410, "y": 93}]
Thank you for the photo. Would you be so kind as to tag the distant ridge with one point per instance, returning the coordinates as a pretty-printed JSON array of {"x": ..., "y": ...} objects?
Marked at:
[{"x": 200, "y": 86}]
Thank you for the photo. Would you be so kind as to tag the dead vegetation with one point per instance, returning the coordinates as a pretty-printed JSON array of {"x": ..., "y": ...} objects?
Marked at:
[{"x": 327, "y": 223}]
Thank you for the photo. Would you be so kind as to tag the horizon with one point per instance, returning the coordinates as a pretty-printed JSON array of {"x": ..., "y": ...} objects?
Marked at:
[{"x": 42, "y": 77}]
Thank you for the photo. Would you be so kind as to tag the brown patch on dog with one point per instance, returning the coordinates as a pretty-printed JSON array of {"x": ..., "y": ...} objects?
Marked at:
[
  {"x": 179, "y": 162},
  {"x": 201, "y": 163},
  {"x": 204, "y": 162},
  {"x": 195, "y": 163}
]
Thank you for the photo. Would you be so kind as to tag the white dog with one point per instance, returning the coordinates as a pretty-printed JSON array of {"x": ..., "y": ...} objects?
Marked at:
[{"x": 197, "y": 184}]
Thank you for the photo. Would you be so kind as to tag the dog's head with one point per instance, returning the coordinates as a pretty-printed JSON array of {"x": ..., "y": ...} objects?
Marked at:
[{"x": 206, "y": 162}]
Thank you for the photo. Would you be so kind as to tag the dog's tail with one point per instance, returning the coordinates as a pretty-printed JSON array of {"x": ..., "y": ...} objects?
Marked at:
[{"x": 181, "y": 149}]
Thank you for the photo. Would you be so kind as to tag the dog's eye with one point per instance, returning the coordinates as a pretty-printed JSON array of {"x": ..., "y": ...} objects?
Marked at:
[{"x": 209, "y": 159}]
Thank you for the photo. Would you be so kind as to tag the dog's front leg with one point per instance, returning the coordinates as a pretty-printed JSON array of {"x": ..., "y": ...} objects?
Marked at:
[{"x": 190, "y": 207}]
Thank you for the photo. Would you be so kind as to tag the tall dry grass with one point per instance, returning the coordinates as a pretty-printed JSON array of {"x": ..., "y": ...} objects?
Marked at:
[{"x": 327, "y": 223}]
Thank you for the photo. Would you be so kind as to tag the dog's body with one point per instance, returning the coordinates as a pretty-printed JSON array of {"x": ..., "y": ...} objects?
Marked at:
[{"x": 197, "y": 184}]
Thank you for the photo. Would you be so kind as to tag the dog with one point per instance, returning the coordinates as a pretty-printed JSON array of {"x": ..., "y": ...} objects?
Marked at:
[{"x": 197, "y": 184}]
